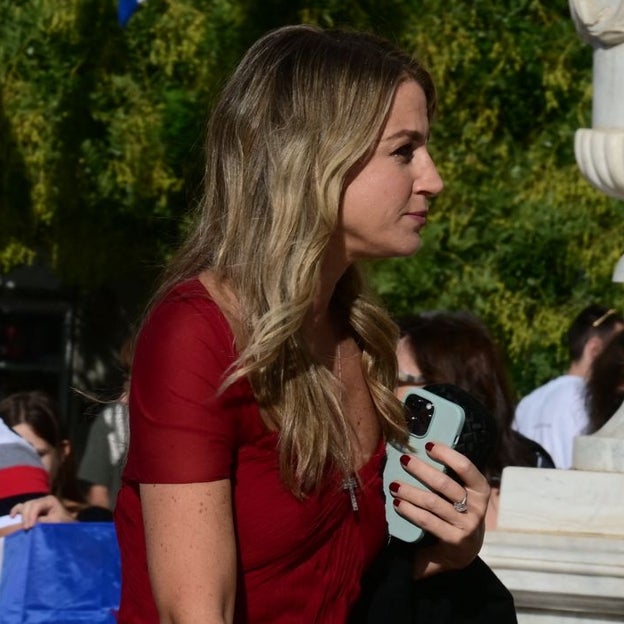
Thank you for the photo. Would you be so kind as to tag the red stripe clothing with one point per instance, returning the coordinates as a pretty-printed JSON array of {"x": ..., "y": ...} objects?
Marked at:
[
  {"x": 21, "y": 470},
  {"x": 23, "y": 480},
  {"x": 299, "y": 560}
]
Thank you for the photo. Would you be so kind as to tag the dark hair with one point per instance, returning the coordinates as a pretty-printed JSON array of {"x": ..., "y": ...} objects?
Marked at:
[
  {"x": 605, "y": 386},
  {"x": 457, "y": 348},
  {"x": 594, "y": 320},
  {"x": 126, "y": 353},
  {"x": 40, "y": 411}
]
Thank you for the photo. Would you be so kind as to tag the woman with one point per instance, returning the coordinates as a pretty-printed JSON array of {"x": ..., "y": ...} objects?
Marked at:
[
  {"x": 605, "y": 386},
  {"x": 457, "y": 348},
  {"x": 261, "y": 391},
  {"x": 34, "y": 416}
]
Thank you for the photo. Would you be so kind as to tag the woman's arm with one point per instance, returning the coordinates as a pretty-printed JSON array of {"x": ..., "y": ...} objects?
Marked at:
[
  {"x": 191, "y": 551},
  {"x": 460, "y": 535},
  {"x": 98, "y": 496}
]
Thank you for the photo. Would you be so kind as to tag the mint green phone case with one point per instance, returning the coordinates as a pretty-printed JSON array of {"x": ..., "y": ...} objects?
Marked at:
[{"x": 444, "y": 427}]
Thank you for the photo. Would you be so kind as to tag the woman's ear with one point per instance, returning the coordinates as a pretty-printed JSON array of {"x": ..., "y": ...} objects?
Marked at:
[
  {"x": 593, "y": 347},
  {"x": 64, "y": 448}
]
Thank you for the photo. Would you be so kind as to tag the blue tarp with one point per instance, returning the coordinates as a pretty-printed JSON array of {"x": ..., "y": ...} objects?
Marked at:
[{"x": 61, "y": 574}]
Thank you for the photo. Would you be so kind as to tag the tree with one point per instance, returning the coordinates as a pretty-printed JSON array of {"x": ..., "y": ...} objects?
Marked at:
[
  {"x": 100, "y": 135},
  {"x": 100, "y": 157},
  {"x": 518, "y": 236}
]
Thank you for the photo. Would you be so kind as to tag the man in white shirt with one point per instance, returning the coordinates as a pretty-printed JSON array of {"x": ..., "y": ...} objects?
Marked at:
[{"x": 555, "y": 413}]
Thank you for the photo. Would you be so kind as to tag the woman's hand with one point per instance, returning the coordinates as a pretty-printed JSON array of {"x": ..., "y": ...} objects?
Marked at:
[
  {"x": 460, "y": 534},
  {"x": 44, "y": 509}
]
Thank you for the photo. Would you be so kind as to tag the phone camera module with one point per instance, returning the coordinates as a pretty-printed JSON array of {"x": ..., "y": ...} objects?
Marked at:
[{"x": 419, "y": 414}]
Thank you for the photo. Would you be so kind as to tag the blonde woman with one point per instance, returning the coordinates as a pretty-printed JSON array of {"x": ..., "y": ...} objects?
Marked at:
[{"x": 262, "y": 384}]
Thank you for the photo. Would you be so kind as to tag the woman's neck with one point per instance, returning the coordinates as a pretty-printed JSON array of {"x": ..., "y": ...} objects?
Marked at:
[{"x": 322, "y": 328}]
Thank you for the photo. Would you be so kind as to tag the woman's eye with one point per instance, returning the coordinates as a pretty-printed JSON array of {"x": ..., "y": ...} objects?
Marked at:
[{"x": 405, "y": 152}]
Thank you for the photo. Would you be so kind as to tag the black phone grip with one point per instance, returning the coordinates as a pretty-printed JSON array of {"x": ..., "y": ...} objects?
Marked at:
[{"x": 479, "y": 435}]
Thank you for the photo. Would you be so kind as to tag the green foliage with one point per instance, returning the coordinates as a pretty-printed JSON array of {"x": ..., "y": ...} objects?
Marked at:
[
  {"x": 100, "y": 150},
  {"x": 517, "y": 236},
  {"x": 101, "y": 127}
]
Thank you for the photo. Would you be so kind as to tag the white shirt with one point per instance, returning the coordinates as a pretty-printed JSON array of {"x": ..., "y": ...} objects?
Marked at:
[{"x": 553, "y": 415}]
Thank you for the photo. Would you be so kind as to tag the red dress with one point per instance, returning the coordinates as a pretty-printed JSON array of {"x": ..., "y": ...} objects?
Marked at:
[{"x": 298, "y": 561}]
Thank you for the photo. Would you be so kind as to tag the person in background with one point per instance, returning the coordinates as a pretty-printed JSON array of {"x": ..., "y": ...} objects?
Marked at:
[
  {"x": 605, "y": 386},
  {"x": 22, "y": 474},
  {"x": 457, "y": 348},
  {"x": 262, "y": 381},
  {"x": 34, "y": 416},
  {"x": 22, "y": 478},
  {"x": 107, "y": 443},
  {"x": 555, "y": 413},
  {"x": 24, "y": 485}
]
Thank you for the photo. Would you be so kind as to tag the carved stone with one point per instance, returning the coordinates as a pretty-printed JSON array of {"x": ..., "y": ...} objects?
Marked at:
[
  {"x": 604, "y": 450},
  {"x": 600, "y": 151},
  {"x": 559, "y": 546},
  {"x": 599, "y": 22}
]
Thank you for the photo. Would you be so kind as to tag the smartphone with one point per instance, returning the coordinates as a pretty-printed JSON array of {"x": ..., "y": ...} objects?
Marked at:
[{"x": 430, "y": 418}]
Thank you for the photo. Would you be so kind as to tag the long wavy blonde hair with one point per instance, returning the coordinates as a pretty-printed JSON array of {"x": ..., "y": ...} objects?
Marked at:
[{"x": 302, "y": 112}]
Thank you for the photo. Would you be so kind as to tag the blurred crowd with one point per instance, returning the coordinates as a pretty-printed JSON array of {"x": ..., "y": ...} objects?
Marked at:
[{"x": 41, "y": 480}]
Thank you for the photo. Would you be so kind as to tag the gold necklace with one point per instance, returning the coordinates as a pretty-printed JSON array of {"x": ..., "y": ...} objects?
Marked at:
[{"x": 350, "y": 483}]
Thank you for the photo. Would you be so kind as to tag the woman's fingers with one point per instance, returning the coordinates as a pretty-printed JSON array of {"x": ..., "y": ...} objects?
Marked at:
[
  {"x": 467, "y": 472},
  {"x": 433, "y": 478},
  {"x": 470, "y": 478},
  {"x": 44, "y": 509},
  {"x": 424, "y": 507},
  {"x": 453, "y": 512}
]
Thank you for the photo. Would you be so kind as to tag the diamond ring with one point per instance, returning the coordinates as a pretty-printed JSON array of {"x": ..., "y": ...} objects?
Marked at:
[{"x": 461, "y": 505}]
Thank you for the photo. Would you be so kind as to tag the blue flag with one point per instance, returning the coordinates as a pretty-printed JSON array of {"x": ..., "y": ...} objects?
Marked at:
[
  {"x": 67, "y": 573},
  {"x": 125, "y": 9}
]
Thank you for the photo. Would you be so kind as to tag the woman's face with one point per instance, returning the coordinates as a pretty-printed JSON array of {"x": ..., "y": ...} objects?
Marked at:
[
  {"x": 386, "y": 204},
  {"x": 409, "y": 373},
  {"x": 51, "y": 457}
]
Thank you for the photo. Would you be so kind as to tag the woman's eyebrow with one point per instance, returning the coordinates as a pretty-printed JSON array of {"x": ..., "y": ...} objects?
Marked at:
[{"x": 414, "y": 135}]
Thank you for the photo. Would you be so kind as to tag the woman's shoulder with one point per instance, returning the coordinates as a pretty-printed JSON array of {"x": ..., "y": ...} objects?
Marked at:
[
  {"x": 187, "y": 321},
  {"x": 540, "y": 456},
  {"x": 189, "y": 292},
  {"x": 188, "y": 305}
]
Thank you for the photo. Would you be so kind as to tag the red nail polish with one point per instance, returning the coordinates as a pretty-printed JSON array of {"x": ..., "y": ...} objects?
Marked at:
[
  {"x": 405, "y": 460},
  {"x": 396, "y": 502},
  {"x": 394, "y": 487},
  {"x": 429, "y": 446}
]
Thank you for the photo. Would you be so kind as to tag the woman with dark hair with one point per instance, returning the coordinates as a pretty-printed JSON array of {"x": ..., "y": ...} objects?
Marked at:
[
  {"x": 34, "y": 416},
  {"x": 457, "y": 348},
  {"x": 605, "y": 386}
]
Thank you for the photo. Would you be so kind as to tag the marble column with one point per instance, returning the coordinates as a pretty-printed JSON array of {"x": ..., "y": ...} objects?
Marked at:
[
  {"x": 559, "y": 545},
  {"x": 600, "y": 150}
]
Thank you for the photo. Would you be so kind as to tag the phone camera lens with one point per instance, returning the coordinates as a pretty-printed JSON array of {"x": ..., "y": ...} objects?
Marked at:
[{"x": 419, "y": 414}]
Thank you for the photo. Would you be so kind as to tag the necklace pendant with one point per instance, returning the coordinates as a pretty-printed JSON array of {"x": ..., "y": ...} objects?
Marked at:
[{"x": 350, "y": 484}]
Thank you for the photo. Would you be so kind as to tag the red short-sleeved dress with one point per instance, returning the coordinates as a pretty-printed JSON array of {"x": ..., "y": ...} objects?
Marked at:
[{"x": 299, "y": 561}]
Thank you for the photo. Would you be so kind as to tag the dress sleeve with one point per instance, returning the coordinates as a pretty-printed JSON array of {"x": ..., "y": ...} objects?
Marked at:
[{"x": 181, "y": 429}]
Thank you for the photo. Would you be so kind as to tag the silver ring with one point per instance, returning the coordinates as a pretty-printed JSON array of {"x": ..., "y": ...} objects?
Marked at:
[{"x": 461, "y": 505}]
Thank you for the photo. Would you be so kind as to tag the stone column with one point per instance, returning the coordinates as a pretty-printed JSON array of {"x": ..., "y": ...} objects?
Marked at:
[
  {"x": 559, "y": 546},
  {"x": 600, "y": 155},
  {"x": 600, "y": 150}
]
